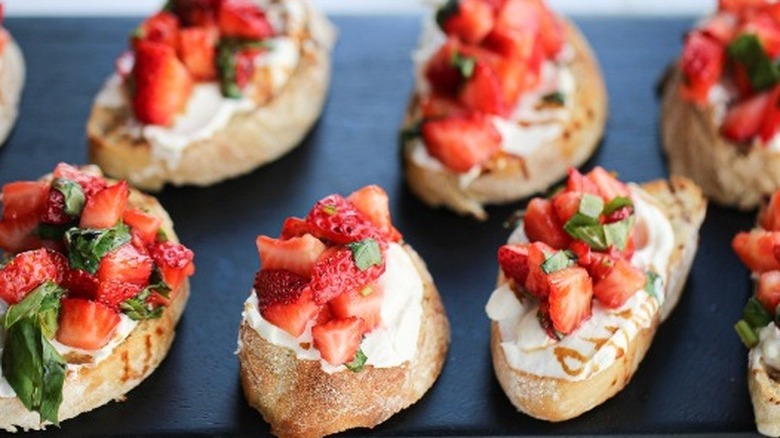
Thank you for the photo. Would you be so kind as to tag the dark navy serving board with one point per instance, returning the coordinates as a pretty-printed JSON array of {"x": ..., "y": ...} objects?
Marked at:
[{"x": 692, "y": 380}]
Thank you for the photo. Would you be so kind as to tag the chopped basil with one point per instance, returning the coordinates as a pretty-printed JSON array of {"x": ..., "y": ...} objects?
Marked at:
[
  {"x": 591, "y": 206},
  {"x": 747, "y": 51},
  {"x": 51, "y": 231},
  {"x": 746, "y": 333},
  {"x": 366, "y": 253},
  {"x": 653, "y": 284},
  {"x": 137, "y": 308},
  {"x": 87, "y": 246},
  {"x": 366, "y": 291},
  {"x": 43, "y": 302},
  {"x": 162, "y": 236},
  {"x": 464, "y": 64},
  {"x": 446, "y": 11},
  {"x": 617, "y": 203},
  {"x": 330, "y": 209},
  {"x": 616, "y": 233},
  {"x": 358, "y": 362},
  {"x": 592, "y": 235},
  {"x": 227, "y": 52},
  {"x": 73, "y": 193},
  {"x": 554, "y": 98},
  {"x": 559, "y": 260},
  {"x": 412, "y": 131},
  {"x": 755, "y": 314}
]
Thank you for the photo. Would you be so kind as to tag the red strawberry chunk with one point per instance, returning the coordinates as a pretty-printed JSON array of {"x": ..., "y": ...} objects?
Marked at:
[
  {"x": 297, "y": 254},
  {"x": 293, "y": 317},
  {"x": 566, "y": 205},
  {"x": 579, "y": 183},
  {"x": 338, "y": 340},
  {"x": 112, "y": 292},
  {"x": 105, "y": 208},
  {"x": 571, "y": 292},
  {"x": 482, "y": 91},
  {"x": 243, "y": 19},
  {"x": 16, "y": 235},
  {"x": 537, "y": 282},
  {"x": 583, "y": 253},
  {"x": 196, "y": 12},
  {"x": 743, "y": 120},
  {"x": 767, "y": 30},
  {"x": 338, "y": 221},
  {"x": 54, "y": 213},
  {"x": 513, "y": 260},
  {"x": 609, "y": 187},
  {"x": 620, "y": 284},
  {"x": 516, "y": 30},
  {"x": 196, "y": 50},
  {"x": 278, "y": 286},
  {"x": 90, "y": 184},
  {"x": 162, "y": 84},
  {"x": 24, "y": 199},
  {"x": 85, "y": 324},
  {"x": 769, "y": 218},
  {"x": 462, "y": 142},
  {"x": 541, "y": 224},
  {"x": 335, "y": 273},
  {"x": 373, "y": 202},
  {"x": 471, "y": 22},
  {"x": 600, "y": 265},
  {"x": 162, "y": 27},
  {"x": 175, "y": 262},
  {"x": 771, "y": 120},
  {"x": 440, "y": 71},
  {"x": 125, "y": 264},
  {"x": 245, "y": 66},
  {"x": 756, "y": 249},
  {"x": 80, "y": 284},
  {"x": 365, "y": 304},
  {"x": 720, "y": 27},
  {"x": 769, "y": 290},
  {"x": 294, "y": 227},
  {"x": 28, "y": 270},
  {"x": 550, "y": 31},
  {"x": 436, "y": 105},
  {"x": 145, "y": 224},
  {"x": 702, "y": 65}
]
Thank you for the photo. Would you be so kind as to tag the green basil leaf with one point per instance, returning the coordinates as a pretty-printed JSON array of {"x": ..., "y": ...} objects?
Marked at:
[
  {"x": 591, "y": 206},
  {"x": 653, "y": 284},
  {"x": 53, "y": 380},
  {"x": 446, "y": 11},
  {"x": 87, "y": 246},
  {"x": 358, "y": 362},
  {"x": 617, "y": 203},
  {"x": 73, "y": 193},
  {"x": 41, "y": 300},
  {"x": 555, "y": 98},
  {"x": 51, "y": 231},
  {"x": 592, "y": 235},
  {"x": 162, "y": 236},
  {"x": 746, "y": 333},
  {"x": 747, "y": 50},
  {"x": 464, "y": 64},
  {"x": 137, "y": 308},
  {"x": 559, "y": 260},
  {"x": 366, "y": 253},
  {"x": 755, "y": 314},
  {"x": 617, "y": 233}
]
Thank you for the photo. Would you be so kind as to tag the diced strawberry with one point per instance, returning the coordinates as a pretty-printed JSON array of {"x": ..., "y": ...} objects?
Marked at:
[
  {"x": 162, "y": 84},
  {"x": 771, "y": 120},
  {"x": 435, "y": 105},
  {"x": 536, "y": 283},
  {"x": 80, "y": 284},
  {"x": 18, "y": 234},
  {"x": 197, "y": 51},
  {"x": 294, "y": 227},
  {"x": 571, "y": 292},
  {"x": 278, "y": 286},
  {"x": 174, "y": 260},
  {"x": 583, "y": 252},
  {"x": 125, "y": 264},
  {"x": 721, "y": 27},
  {"x": 738, "y": 5},
  {"x": 54, "y": 212},
  {"x": 566, "y": 205},
  {"x": 622, "y": 281},
  {"x": 24, "y": 199},
  {"x": 28, "y": 270},
  {"x": 90, "y": 184},
  {"x": 162, "y": 27},
  {"x": 768, "y": 292},
  {"x": 373, "y": 202},
  {"x": 513, "y": 260},
  {"x": 550, "y": 30},
  {"x": 600, "y": 266},
  {"x": 541, "y": 224},
  {"x": 337, "y": 220},
  {"x": 756, "y": 249},
  {"x": 440, "y": 71},
  {"x": 365, "y": 304},
  {"x": 293, "y": 317},
  {"x": 609, "y": 186},
  {"x": 338, "y": 340},
  {"x": 245, "y": 66},
  {"x": 767, "y": 30},
  {"x": 112, "y": 292},
  {"x": 462, "y": 142},
  {"x": 85, "y": 324},
  {"x": 323, "y": 316},
  {"x": 512, "y": 43},
  {"x": 196, "y": 12},
  {"x": 533, "y": 67},
  {"x": 769, "y": 217},
  {"x": 579, "y": 183},
  {"x": 744, "y": 119},
  {"x": 702, "y": 65},
  {"x": 618, "y": 215},
  {"x": 105, "y": 208},
  {"x": 472, "y": 20},
  {"x": 297, "y": 254},
  {"x": 243, "y": 19},
  {"x": 511, "y": 75},
  {"x": 482, "y": 91},
  {"x": 146, "y": 224},
  {"x": 336, "y": 272}
]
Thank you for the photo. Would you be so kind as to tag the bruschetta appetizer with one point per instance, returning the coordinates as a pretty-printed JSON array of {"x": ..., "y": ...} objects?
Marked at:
[
  {"x": 211, "y": 89},
  {"x": 585, "y": 280},
  {"x": 508, "y": 96},
  {"x": 91, "y": 288},
  {"x": 344, "y": 326},
  {"x": 721, "y": 104},
  {"x": 759, "y": 250},
  {"x": 11, "y": 80}
]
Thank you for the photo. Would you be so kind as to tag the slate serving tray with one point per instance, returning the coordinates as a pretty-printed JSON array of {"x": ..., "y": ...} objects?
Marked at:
[{"x": 692, "y": 380}]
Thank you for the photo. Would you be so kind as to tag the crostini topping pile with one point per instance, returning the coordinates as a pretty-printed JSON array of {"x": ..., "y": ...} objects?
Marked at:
[
  {"x": 323, "y": 270},
  {"x": 192, "y": 41},
  {"x": 78, "y": 256},
  {"x": 579, "y": 247},
  {"x": 737, "y": 48},
  {"x": 759, "y": 250},
  {"x": 494, "y": 53}
]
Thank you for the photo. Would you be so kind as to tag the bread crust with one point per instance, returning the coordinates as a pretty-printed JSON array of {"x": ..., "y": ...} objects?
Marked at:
[
  {"x": 12, "y": 76},
  {"x": 508, "y": 177},
  {"x": 298, "y": 399},
  {"x": 248, "y": 141},
  {"x": 90, "y": 386},
  {"x": 555, "y": 399},
  {"x": 730, "y": 174}
]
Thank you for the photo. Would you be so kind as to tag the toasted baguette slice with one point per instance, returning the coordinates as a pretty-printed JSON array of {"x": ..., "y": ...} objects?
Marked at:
[
  {"x": 91, "y": 386},
  {"x": 298, "y": 399},
  {"x": 12, "y": 75},
  {"x": 248, "y": 141},
  {"x": 764, "y": 386},
  {"x": 555, "y": 399},
  {"x": 733, "y": 175},
  {"x": 508, "y": 177}
]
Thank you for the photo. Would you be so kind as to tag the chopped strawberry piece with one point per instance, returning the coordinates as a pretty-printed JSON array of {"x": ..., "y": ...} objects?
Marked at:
[
  {"x": 579, "y": 183},
  {"x": 337, "y": 220},
  {"x": 365, "y": 304},
  {"x": 336, "y": 272},
  {"x": 436, "y": 106},
  {"x": 174, "y": 260},
  {"x": 618, "y": 215},
  {"x": 294, "y": 227},
  {"x": 24, "y": 199},
  {"x": 145, "y": 224},
  {"x": 440, "y": 71},
  {"x": 297, "y": 254},
  {"x": 511, "y": 75},
  {"x": 622, "y": 282},
  {"x": 767, "y": 30},
  {"x": 18, "y": 234},
  {"x": 112, "y": 292},
  {"x": 566, "y": 205},
  {"x": 536, "y": 283},
  {"x": 744, "y": 119},
  {"x": 80, "y": 284},
  {"x": 600, "y": 266},
  {"x": 373, "y": 202},
  {"x": 90, "y": 184},
  {"x": 768, "y": 292},
  {"x": 771, "y": 120},
  {"x": 196, "y": 12},
  {"x": 162, "y": 84},
  {"x": 125, "y": 264},
  {"x": 756, "y": 249},
  {"x": 583, "y": 252},
  {"x": 770, "y": 216},
  {"x": 550, "y": 30},
  {"x": 294, "y": 316},
  {"x": 482, "y": 91},
  {"x": 609, "y": 186},
  {"x": 462, "y": 142},
  {"x": 197, "y": 51},
  {"x": 243, "y": 19},
  {"x": 323, "y": 316},
  {"x": 245, "y": 66},
  {"x": 338, "y": 340},
  {"x": 28, "y": 270},
  {"x": 720, "y": 27},
  {"x": 162, "y": 27},
  {"x": 516, "y": 30},
  {"x": 739, "y": 5},
  {"x": 472, "y": 20},
  {"x": 85, "y": 324},
  {"x": 513, "y": 259},
  {"x": 571, "y": 292},
  {"x": 702, "y": 65},
  {"x": 105, "y": 208},
  {"x": 278, "y": 286},
  {"x": 541, "y": 224},
  {"x": 54, "y": 212}
]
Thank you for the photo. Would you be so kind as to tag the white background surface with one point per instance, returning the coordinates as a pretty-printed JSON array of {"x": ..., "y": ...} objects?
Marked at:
[{"x": 581, "y": 7}]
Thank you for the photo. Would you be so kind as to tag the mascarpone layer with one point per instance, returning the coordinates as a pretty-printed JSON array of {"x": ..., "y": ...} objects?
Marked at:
[
  {"x": 603, "y": 338},
  {"x": 768, "y": 348},
  {"x": 391, "y": 344}
]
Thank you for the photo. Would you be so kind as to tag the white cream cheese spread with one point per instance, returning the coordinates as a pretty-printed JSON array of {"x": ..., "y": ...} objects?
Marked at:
[
  {"x": 389, "y": 345},
  {"x": 768, "y": 348}
]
